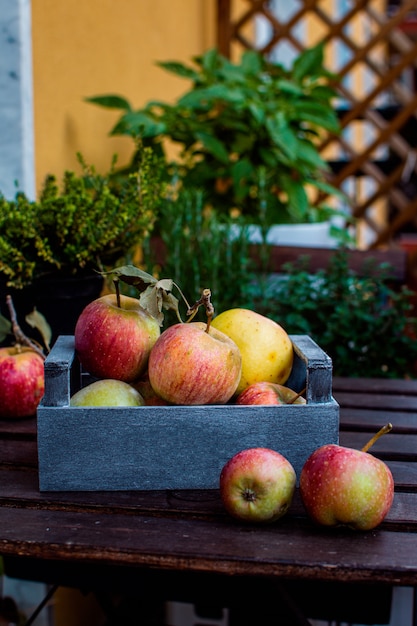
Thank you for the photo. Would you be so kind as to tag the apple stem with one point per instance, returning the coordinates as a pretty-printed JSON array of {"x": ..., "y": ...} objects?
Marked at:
[
  {"x": 385, "y": 429},
  {"x": 117, "y": 287},
  {"x": 299, "y": 394},
  {"x": 20, "y": 337},
  {"x": 206, "y": 301}
]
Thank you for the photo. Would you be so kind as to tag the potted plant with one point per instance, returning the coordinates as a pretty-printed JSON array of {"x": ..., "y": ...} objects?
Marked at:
[
  {"x": 365, "y": 322},
  {"x": 247, "y": 134},
  {"x": 55, "y": 247}
]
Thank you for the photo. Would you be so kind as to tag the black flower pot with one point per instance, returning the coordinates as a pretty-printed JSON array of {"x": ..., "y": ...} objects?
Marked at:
[{"x": 59, "y": 298}]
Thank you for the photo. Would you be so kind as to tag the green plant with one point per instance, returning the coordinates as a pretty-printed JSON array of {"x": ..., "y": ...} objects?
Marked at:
[
  {"x": 364, "y": 322},
  {"x": 239, "y": 123},
  {"x": 202, "y": 249},
  {"x": 89, "y": 223}
]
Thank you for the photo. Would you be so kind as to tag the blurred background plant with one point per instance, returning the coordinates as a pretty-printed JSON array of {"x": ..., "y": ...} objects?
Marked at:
[
  {"x": 365, "y": 323},
  {"x": 200, "y": 248},
  {"x": 238, "y": 122}
]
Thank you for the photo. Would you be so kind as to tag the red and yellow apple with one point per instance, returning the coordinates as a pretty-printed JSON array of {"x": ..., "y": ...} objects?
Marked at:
[
  {"x": 257, "y": 485},
  {"x": 269, "y": 393},
  {"x": 345, "y": 486},
  {"x": 266, "y": 349},
  {"x": 147, "y": 392},
  {"x": 21, "y": 381},
  {"x": 190, "y": 366},
  {"x": 107, "y": 392},
  {"x": 114, "y": 341}
]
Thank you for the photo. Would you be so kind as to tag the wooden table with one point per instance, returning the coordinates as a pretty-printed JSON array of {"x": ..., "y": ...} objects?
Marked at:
[{"x": 183, "y": 543}]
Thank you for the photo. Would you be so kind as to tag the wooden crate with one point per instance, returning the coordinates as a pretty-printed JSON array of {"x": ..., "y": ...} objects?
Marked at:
[{"x": 173, "y": 447}]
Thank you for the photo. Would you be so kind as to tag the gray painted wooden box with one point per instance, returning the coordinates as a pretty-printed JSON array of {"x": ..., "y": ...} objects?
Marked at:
[{"x": 173, "y": 447}]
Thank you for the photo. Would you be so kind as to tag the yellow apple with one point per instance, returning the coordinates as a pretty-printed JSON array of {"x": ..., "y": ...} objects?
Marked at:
[{"x": 266, "y": 348}]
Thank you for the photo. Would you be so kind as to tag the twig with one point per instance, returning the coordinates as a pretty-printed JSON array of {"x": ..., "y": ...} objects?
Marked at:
[
  {"x": 299, "y": 395},
  {"x": 204, "y": 300},
  {"x": 21, "y": 338}
]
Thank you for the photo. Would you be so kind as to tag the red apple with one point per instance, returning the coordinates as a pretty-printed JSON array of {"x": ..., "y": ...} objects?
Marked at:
[
  {"x": 257, "y": 485},
  {"x": 269, "y": 393},
  {"x": 190, "y": 366},
  {"x": 21, "y": 381},
  {"x": 344, "y": 486},
  {"x": 115, "y": 342},
  {"x": 147, "y": 392}
]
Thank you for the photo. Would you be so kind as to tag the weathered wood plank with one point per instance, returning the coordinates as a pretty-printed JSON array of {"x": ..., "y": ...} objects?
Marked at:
[
  {"x": 220, "y": 546},
  {"x": 18, "y": 453},
  {"x": 391, "y": 446},
  {"x": 385, "y": 401},
  {"x": 371, "y": 420},
  {"x": 24, "y": 428},
  {"x": 375, "y": 385}
]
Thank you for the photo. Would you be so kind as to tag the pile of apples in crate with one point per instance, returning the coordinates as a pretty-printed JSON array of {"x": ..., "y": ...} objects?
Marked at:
[{"x": 237, "y": 357}]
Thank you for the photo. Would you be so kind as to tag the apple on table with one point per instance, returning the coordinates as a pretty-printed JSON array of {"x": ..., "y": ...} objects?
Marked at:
[
  {"x": 345, "y": 486},
  {"x": 257, "y": 485},
  {"x": 22, "y": 382}
]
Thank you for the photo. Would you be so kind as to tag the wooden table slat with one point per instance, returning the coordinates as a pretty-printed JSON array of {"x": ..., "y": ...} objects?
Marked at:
[
  {"x": 400, "y": 402},
  {"x": 375, "y": 386}
]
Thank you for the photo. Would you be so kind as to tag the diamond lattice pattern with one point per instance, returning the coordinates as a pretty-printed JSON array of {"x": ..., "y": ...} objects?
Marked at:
[{"x": 372, "y": 46}]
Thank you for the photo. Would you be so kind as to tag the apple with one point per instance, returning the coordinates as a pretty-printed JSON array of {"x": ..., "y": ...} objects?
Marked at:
[
  {"x": 345, "y": 486},
  {"x": 257, "y": 485},
  {"x": 269, "y": 393},
  {"x": 107, "y": 392},
  {"x": 147, "y": 392},
  {"x": 190, "y": 366},
  {"x": 21, "y": 381},
  {"x": 266, "y": 349},
  {"x": 114, "y": 341}
]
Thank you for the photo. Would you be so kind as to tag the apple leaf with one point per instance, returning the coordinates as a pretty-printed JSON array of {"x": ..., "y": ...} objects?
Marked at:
[
  {"x": 155, "y": 298},
  {"x": 35, "y": 319},
  {"x": 155, "y": 294},
  {"x": 131, "y": 275},
  {"x": 5, "y": 328}
]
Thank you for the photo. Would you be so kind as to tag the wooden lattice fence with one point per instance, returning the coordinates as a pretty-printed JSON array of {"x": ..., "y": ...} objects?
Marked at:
[{"x": 372, "y": 47}]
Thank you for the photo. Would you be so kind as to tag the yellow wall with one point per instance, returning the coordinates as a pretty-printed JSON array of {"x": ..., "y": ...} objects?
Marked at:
[{"x": 83, "y": 48}]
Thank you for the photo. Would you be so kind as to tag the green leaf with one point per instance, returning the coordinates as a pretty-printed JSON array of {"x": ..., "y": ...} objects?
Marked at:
[
  {"x": 289, "y": 87},
  {"x": 297, "y": 199},
  {"x": 257, "y": 112},
  {"x": 282, "y": 135},
  {"x": 210, "y": 60},
  {"x": 214, "y": 146},
  {"x": 179, "y": 69},
  {"x": 308, "y": 153},
  {"x": 204, "y": 96},
  {"x": 35, "y": 319},
  {"x": 241, "y": 172},
  {"x": 317, "y": 114},
  {"x": 138, "y": 123},
  {"x": 251, "y": 62},
  {"x": 5, "y": 328},
  {"x": 310, "y": 61},
  {"x": 110, "y": 102}
]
